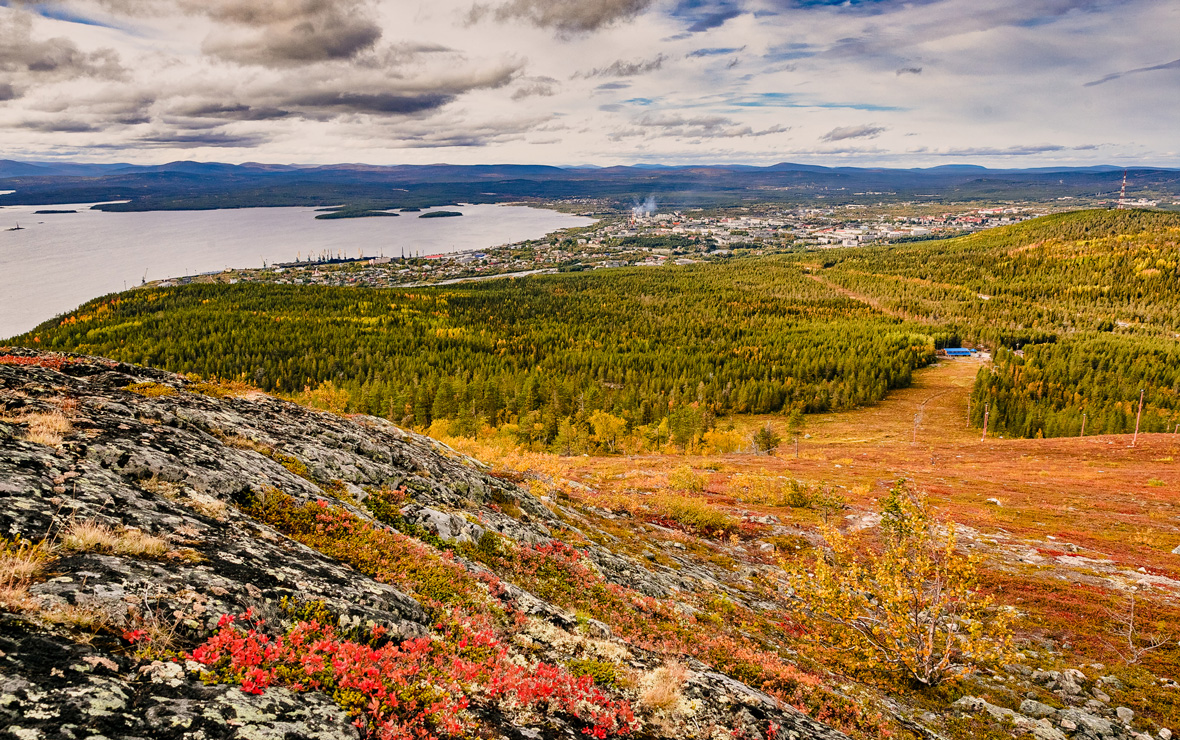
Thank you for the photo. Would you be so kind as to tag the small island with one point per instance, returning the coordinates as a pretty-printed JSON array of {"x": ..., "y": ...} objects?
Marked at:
[
  {"x": 331, "y": 213},
  {"x": 50, "y": 212},
  {"x": 440, "y": 214},
  {"x": 411, "y": 209}
]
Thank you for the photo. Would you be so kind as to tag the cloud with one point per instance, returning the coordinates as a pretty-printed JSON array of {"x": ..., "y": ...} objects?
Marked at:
[
  {"x": 909, "y": 71},
  {"x": 840, "y": 133},
  {"x": 59, "y": 126},
  {"x": 536, "y": 86},
  {"x": 197, "y": 140},
  {"x": 374, "y": 102},
  {"x": 1169, "y": 65},
  {"x": 272, "y": 33},
  {"x": 452, "y": 130},
  {"x": 564, "y": 16},
  {"x": 1011, "y": 151},
  {"x": 661, "y": 125},
  {"x": 624, "y": 68},
  {"x": 276, "y": 33},
  {"x": 8, "y": 92},
  {"x": 54, "y": 58},
  {"x": 715, "y": 52},
  {"x": 229, "y": 111}
]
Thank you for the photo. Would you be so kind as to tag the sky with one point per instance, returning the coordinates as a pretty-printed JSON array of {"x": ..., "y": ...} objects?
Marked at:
[{"x": 1002, "y": 83}]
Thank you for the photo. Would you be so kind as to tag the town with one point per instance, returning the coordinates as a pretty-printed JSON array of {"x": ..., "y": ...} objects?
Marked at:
[{"x": 642, "y": 237}]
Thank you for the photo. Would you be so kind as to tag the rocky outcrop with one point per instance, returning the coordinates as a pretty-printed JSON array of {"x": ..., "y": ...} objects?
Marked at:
[{"x": 146, "y": 453}]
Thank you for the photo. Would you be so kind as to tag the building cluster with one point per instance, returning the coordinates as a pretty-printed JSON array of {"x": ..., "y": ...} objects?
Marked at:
[{"x": 641, "y": 238}]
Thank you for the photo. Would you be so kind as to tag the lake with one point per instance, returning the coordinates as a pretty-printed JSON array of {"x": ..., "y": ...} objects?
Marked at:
[{"x": 59, "y": 261}]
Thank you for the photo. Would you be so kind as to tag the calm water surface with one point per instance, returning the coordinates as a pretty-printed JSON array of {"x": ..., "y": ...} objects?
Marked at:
[{"x": 57, "y": 262}]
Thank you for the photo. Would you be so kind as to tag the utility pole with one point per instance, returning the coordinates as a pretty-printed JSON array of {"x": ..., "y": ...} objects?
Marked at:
[
  {"x": 1083, "y": 434},
  {"x": 1137, "y": 418},
  {"x": 916, "y": 428},
  {"x": 987, "y": 408}
]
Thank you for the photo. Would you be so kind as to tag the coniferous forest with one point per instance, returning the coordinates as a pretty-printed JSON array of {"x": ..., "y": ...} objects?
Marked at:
[
  {"x": 665, "y": 349},
  {"x": 1081, "y": 310}
]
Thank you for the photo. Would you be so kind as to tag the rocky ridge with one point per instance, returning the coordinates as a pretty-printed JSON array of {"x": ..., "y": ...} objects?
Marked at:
[{"x": 173, "y": 463}]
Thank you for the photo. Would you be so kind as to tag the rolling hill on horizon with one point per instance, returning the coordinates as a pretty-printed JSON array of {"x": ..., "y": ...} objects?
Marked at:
[{"x": 199, "y": 185}]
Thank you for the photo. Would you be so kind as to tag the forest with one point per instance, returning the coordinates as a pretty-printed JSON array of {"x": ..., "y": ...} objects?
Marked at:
[
  {"x": 1082, "y": 308},
  {"x": 567, "y": 361}
]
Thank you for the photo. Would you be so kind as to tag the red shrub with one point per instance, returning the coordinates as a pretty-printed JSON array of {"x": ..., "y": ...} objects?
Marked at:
[{"x": 415, "y": 689}]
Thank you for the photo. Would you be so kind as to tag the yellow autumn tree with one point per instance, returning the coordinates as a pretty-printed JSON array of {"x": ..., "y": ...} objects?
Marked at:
[{"x": 907, "y": 603}]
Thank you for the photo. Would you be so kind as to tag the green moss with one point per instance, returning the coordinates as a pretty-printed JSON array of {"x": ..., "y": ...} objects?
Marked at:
[{"x": 604, "y": 674}]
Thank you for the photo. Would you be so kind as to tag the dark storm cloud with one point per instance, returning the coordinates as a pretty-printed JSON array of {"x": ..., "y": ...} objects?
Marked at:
[
  {"x": 52, "y": 58},
  {"x": 625, "y": 68},
  {"x": 564, "y": 16},
  {"x": 841, "y": 133},
  {"x": 7, "y": 92},
  {"x": 1110, "y": 77}
]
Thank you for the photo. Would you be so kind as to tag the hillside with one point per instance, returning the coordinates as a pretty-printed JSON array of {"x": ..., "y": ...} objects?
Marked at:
[
  {"x": 1090, "y": 301},
  {"x": 545, "y": 598},
  {"x": 165, "y": 505}
]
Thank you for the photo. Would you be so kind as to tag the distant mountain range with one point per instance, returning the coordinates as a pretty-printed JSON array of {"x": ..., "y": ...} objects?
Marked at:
[{"x": 205, "y": 185}]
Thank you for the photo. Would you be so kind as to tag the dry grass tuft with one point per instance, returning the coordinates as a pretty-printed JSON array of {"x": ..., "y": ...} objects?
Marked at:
[
  {"x": 46, "y": 428},
  {"x": 209, "y": 506},
  {"x": 20, "y": 562},
  {"x": 89, "y": 618},
  {"x": 661, "y": 688},
  {"x": 93, "y": 536}
]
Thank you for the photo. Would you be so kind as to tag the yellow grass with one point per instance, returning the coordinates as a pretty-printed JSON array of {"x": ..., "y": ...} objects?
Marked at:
[
  {"x": 151, "y": 390},
  {"x": 46, "y": 428},
  {"x": 661, "y": 688},
  {"x": 93, "y": 536},
  {"x": 20, "y": 562}
]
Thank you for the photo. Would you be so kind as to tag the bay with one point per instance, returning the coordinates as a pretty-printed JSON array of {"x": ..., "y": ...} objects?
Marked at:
[{"x": 56, "y": 262}]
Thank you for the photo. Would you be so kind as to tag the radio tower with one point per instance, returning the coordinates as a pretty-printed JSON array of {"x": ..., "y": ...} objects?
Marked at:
[{"x": 1123, "y": 193}]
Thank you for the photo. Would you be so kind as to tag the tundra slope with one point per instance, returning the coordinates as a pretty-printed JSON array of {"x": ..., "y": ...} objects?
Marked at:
[{"x": 181, "y": 461}]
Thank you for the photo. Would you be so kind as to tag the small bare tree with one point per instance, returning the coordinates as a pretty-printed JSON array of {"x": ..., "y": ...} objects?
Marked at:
[{"x": 1130, "y": 643}]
